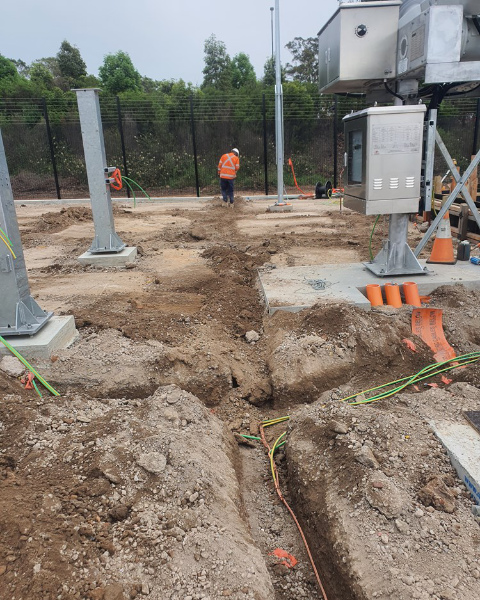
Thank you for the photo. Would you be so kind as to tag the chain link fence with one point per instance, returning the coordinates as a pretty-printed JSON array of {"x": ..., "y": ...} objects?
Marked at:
[{"x": 173, "y": 149}]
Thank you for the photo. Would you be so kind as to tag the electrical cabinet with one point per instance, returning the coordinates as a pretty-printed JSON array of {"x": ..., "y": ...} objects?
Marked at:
[
  {"x": 357, "y": 45},
  {"x": 383, "y": 159}
]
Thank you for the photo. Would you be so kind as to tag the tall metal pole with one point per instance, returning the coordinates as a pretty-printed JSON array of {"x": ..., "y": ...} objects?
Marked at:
[
  {"x": 271, "y": 25},
  {"x": 278, "y": 105},
  {"x": 265, "y": 146}
]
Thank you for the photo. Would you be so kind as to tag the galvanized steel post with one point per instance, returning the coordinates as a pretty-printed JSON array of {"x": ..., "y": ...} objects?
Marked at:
[
  {"x": 106, "y": 239},
  {"x": 19, "y": 313}
]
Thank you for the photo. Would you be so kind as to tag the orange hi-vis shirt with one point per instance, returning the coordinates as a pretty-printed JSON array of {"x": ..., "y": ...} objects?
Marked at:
[{"x": 228, "y": 166}]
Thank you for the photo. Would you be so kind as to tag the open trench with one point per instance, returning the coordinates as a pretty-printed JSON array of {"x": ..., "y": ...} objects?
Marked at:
[{"x": 188, "y": 328}]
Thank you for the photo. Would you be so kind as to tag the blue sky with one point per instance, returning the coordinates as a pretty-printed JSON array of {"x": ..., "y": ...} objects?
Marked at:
[{"x": 164, "y": 38}]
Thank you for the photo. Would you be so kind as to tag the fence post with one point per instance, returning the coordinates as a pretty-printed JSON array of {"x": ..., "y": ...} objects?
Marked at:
[
  {"x": 122, "y": 140},
  {"x": 194, "y": 140},
  {"x": 475, "y": 133},
  {"x": 265, "y": 158},
  {"x": 52, "y": 148},
  {"x": 335, "y": 148}
]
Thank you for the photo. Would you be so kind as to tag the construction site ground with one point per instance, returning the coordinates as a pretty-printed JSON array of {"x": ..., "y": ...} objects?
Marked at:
[{"x": 136, "y": 481}]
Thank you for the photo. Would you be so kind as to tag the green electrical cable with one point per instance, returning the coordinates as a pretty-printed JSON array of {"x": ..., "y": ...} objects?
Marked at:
[
  {"x": 6, "y": 236},
  {"x": 425, "y": 373},
  {"x": 139, "y": 186},
  {"x": 29, "y": 366},
  {"x": 371, "y": 236},
  {"x": 36, "y": 388},
  {"x": 250, "y": 437},
  {"x": 133, "y": 192}
]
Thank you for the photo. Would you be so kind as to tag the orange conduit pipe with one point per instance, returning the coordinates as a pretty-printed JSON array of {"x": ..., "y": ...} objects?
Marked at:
[
  {"x": 374, "y": 294},
  {"x": 280, "y": 495},
  {"x": 290, "y": 163},
  {"x": 410, "y": 291},
  {"x": 392, "y": 294}
]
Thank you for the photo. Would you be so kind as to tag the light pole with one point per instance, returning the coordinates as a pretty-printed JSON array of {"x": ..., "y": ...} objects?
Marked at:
[
  {"x": 278, "y": 105},
  {"x": 271, "y": 25}
]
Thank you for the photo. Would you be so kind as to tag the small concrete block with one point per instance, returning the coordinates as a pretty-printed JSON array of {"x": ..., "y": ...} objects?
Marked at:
[
  {"x": 280, "y": 208},
  {"x": 109, "y": 259},
  {"x": 58, "y": 333},
  {"x": 12, "y": 366},
  {"x": 462, "y": 444}
]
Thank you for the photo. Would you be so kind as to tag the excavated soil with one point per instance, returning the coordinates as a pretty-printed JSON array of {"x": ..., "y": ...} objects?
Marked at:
[{"x": 135, "y": 482}]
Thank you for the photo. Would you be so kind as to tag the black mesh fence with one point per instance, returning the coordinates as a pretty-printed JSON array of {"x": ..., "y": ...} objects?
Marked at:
[{"x": 172, "y": 149}]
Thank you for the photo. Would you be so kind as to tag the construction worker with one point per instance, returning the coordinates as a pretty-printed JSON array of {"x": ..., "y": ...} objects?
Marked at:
[{"x": 227, "y": 171}]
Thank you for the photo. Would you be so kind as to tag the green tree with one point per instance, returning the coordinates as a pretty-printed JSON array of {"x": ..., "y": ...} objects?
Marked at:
[
  {"x": 41, "y": 76},
  {"x": 243, "y": 73},
  {"x": 21, "y": 66},
  {"x": 304, "y": 66},
  {"x": 70, "y": 63},
  {"x": 269, "y": 75},
  {"x": 218, "y": 65},
  {"x": 8, "y": 69},
  {"x": 118, "y": 74}
]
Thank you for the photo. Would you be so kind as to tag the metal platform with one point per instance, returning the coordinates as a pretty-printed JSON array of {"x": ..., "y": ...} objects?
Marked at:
[{"x": 295, "y": 288}]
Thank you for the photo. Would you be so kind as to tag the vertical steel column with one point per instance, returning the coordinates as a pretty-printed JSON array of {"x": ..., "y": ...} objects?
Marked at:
[
  {"x": 106, "y": 240},
  {"x": 265, "y": 145},
  {"x": 19, "y": 313},
  {"x": 278, "y": 106},
  {"x": 431, "y": 128},
  {"x": 335, "y": 143}
]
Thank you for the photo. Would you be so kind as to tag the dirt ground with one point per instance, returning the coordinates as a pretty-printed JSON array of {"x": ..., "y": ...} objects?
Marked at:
[{"x": 136, "y": 481}]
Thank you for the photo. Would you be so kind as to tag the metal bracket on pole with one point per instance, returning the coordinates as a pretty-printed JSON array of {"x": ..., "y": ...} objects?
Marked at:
[
  {"x": 106, "y": 239},
  {"x": 19, "y": 313},
  {"x": 460, "y": 187}
]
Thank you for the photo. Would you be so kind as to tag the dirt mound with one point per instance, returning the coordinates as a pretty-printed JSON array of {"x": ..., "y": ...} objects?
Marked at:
[
  {"x": 86, "y": 502},
  {"x": 53, "y": 222},
  {"x": 338, "y": 344},
  {"x": 374, "y": 520}
]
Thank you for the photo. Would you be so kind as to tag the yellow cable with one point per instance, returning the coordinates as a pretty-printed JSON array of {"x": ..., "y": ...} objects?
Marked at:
[{"x": 7, "y": 245}]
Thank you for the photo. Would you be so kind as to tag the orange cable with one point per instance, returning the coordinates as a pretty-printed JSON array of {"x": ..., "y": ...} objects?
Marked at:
[
  {"x": 280, "y": 495},
  {"x": 295, "y": 180}
]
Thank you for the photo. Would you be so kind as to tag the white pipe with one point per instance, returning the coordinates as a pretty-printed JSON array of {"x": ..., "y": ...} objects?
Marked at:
[{"x": 278, "y": 105}]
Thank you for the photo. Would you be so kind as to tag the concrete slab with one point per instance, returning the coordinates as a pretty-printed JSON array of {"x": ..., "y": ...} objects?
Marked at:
[
  {"x": 56, "y": 335},
  {"x": 462, "y": 444},
  {"x": 296, "y": 288},
  {"x": 109, "y": 259},
  {"x": 281, "y": 208}
]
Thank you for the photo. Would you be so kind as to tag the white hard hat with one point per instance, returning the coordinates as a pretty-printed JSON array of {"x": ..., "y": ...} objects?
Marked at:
[{"x": 236, "y": 151}]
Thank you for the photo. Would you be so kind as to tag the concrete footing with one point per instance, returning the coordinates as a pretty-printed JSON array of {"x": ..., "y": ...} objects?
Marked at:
[
  {"x": 110, "y": 259},
  {"x": 281, "y": 208},
  {"x": 296, "y": 288},
  {"x": 58, "y": 333},
  {"x": 462, "y": 444}
]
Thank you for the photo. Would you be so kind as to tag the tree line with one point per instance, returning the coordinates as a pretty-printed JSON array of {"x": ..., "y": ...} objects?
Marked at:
[{"x": 54, "y": 77}]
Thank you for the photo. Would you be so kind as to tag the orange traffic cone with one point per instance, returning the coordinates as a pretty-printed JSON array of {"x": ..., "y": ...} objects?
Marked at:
[{"x": 442, "y": 251}]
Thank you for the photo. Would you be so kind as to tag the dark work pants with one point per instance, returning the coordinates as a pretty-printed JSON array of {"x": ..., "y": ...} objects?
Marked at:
[{"x": 226, "y": 185}]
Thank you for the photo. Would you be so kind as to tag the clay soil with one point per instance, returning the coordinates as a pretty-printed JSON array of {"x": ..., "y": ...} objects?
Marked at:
[{"x": 136, "y": 481}]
